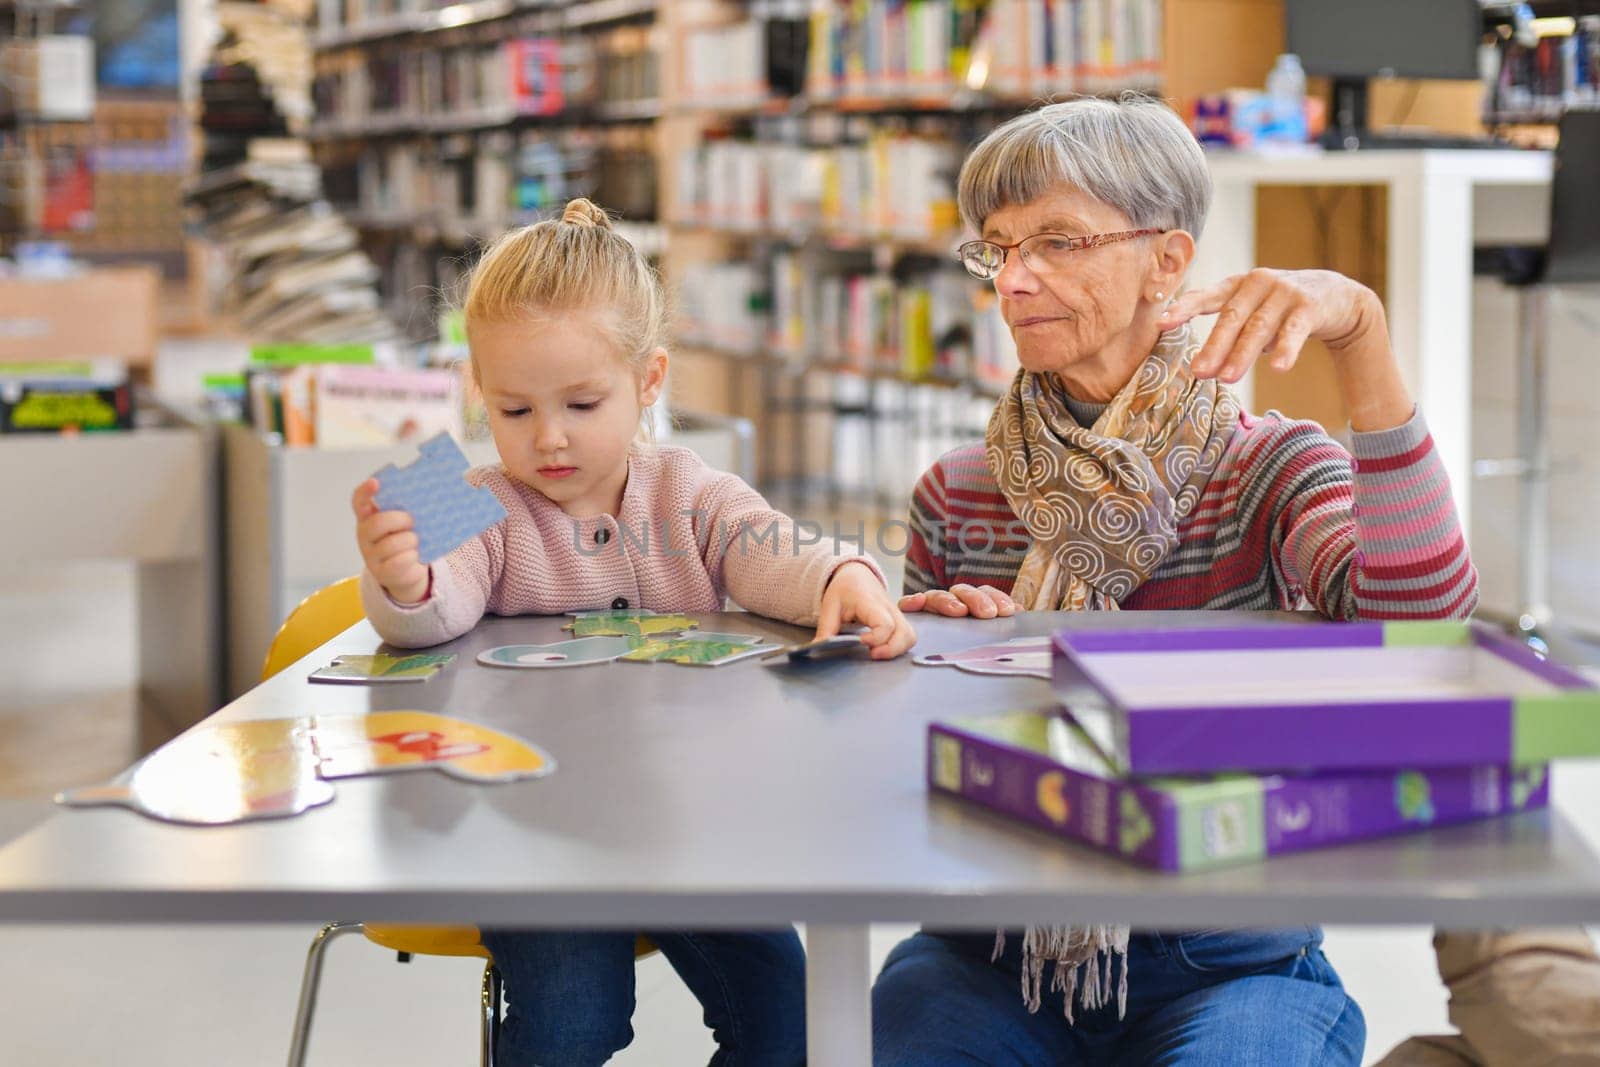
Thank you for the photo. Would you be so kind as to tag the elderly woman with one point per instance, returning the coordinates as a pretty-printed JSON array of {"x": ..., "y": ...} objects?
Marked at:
[{"x": 1119, "y": 472}]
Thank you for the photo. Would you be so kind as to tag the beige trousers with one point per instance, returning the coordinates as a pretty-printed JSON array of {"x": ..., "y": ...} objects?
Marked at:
[{"x": 1521, "y": 998}]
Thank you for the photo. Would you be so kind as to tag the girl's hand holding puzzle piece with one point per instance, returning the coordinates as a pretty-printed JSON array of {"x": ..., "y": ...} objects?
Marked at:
[{"x": 389, "y": 546}]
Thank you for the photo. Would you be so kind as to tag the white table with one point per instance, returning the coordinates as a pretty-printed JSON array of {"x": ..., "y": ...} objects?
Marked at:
[
  {"x": 745, "y": 797},
  {"x": 1430, "y": 239}
]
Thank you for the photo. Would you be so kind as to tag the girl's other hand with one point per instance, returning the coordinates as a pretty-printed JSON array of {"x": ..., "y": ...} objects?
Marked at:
[{"x": 855, "y": 595}]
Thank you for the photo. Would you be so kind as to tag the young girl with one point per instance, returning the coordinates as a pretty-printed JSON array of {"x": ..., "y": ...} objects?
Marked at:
[{"x": 565, "y": 323}]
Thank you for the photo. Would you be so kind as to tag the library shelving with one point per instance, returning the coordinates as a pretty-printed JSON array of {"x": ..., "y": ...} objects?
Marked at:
[
  {"x": 810, "y": 204},
  {"x": 1539, "y": 60},
  {"x": 439, "y": 127},
  {"x": 787, "y": 160}
]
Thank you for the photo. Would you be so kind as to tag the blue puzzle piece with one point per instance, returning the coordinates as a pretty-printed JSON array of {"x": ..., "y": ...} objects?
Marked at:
[{"x": 445, "y": 509}]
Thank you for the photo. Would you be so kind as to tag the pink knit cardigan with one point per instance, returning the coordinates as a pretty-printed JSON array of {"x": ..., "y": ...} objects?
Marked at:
[{"x": 685, "y": 537}]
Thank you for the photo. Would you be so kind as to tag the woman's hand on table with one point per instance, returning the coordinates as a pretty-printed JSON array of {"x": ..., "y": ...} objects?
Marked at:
[
  {"x": 1271, "y": 314},
  {"x": 856, "y": 595},
  {"x": 388, "y": 546},
  {"x": 978, "y": 601}
]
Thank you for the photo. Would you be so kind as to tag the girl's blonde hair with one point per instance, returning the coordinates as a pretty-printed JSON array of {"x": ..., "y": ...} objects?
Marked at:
[{"x": 576, "y": 263}]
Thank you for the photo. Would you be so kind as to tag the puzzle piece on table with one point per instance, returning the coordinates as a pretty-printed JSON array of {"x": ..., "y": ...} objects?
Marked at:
[
  {"x": 445, "y": 509},
  {"x": 691, "y": 651},
  {"x": 579, "y": 652},
  {"x": 386, "y": 741},
  {"x": 823, "y": 648},
  {"x": 627, "y": 624},
  {"x": 727, "y": 638},
  {"x": 382, "y": 668},
  {"x": 1025, "y": 656},
  {"x": 270, "y": 768}
]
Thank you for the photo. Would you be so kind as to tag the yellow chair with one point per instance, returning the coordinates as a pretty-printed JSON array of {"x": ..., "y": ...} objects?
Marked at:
[{"x": 314, "y": 621}]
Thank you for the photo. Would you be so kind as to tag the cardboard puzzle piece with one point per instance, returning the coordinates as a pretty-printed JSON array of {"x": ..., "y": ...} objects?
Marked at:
[
  {"x": 381, "y": 668},
  {"x": 695, "y": 651},
  {"x": 273, "y": 768},
  {"x": 445, "y": 509},
  {"x": 1025, "y": 656},
  {"x": 726, "y": 638},
  {"x": 579, "y": 652},
  {"x": 627, "y": 624},
  {"x": 387, "y": 741}
]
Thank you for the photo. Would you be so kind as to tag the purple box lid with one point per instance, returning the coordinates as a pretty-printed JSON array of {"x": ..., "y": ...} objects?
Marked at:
[{"x": 1327, "y": 696}]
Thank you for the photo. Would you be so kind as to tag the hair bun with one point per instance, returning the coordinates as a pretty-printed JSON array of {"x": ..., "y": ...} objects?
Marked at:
[{"x": 584, "y": 212}]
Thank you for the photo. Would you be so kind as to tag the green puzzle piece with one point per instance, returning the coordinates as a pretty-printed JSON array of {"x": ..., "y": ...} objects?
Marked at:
[
  {"x": 693, "y": 651},
  {"x": 629, "y": 624}
]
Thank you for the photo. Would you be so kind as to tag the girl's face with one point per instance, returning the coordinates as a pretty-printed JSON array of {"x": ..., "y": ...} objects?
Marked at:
[{"x": 564, "y": 406}]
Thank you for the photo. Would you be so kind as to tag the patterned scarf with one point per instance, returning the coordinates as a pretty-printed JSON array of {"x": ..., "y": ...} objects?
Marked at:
[{"x": 1103, "y": 506}]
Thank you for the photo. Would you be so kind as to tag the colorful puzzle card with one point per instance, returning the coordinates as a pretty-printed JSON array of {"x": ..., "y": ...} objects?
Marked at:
[
  {"x": 1041, "y": 768},
  {"x": 1020, "y": 656},
  {"x": 445, "y": 509},
  {"x": 696, "y": 651},
  {"x": 579, "y": 652},
  {"x": 1326, "y": 696},
  {"x": 272, "y": 768},
  {"x": 382, "y": 668},
  {"x": 627, "y": 624}
]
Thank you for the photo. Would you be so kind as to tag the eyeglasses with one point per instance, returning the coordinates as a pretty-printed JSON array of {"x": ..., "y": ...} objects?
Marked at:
[{"x": 1042, "y": 253}]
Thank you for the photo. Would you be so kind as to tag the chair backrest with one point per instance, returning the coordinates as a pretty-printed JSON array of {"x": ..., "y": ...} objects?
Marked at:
[
  {"x": 319, "y": 617},
  {"x": 1574, "y": 249}
]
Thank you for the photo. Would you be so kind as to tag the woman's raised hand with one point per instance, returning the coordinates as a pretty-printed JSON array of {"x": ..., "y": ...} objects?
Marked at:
[{"x": 1272, "y": 313}]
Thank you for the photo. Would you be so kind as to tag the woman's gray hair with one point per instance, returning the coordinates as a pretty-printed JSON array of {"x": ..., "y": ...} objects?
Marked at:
[{"x": 1133, "y": 153}]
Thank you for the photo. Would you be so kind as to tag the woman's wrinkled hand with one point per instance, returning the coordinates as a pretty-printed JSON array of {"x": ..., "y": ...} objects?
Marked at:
[
  {"x": 1272, "y": 313},
  {"x": 979, "y": 601}
]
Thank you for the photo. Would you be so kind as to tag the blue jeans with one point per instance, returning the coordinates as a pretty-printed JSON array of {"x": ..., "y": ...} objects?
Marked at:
[
  {"x": 1214, "y": 998},
  {"x": 569, "y": 994}
]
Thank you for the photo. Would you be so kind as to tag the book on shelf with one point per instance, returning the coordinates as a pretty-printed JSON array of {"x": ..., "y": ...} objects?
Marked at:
[
  {"x": 934, "y": 51},
  {"x": 891, "y": 185},
  {"x": 425, "y": 85},
  {"x": 1535, "y": 81},
  {"x": 487, "y": 182},
  {"x": 1041, "y": 768},
  {"x": 85, "y": 396},
  {"x": 359, "y": 407},
  {"x": 928, "y": 322},
  {"x": 296, "y": 271},
  {"x": 353, "y": 404}
]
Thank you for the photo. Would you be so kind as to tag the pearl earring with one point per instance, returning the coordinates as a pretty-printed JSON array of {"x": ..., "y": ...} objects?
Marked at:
[{"x": 1160, "y": 295}]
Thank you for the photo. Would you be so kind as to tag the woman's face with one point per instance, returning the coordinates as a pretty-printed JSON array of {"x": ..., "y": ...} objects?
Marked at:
[{"x": 1076, "y": 322}]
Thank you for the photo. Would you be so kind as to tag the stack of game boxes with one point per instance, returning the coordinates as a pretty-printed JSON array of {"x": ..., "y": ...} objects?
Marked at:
[{"x": 1185, "y": 749}]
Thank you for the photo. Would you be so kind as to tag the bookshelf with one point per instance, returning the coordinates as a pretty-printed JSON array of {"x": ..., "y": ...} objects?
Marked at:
[
  {"x": 438, "y": 127},
  {"x": 791, "y": 162},
  {"x": 811, "y": 153},
  {"x": 1534, "y": 71},
  {"x": 47, "y": 98}
]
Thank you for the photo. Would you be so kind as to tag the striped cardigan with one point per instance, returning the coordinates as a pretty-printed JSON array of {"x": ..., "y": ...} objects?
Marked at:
[{"x": 1288, "y": 517}]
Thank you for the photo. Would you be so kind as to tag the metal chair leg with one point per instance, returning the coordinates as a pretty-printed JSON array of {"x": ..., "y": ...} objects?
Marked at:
[
  {"x": 1533, "y": 447},
  {"x": 309, "y": 985},
  {"x": 490, "y": 1010}
]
